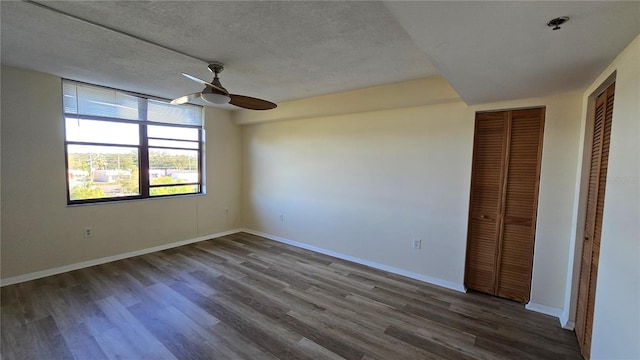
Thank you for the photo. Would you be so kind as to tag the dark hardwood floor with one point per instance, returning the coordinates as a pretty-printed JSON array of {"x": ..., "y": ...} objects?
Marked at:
[{"x": 246, "y": 297}]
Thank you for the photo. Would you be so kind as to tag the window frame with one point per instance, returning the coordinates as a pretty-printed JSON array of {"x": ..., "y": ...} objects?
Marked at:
[{"x": 143, "y": 148}]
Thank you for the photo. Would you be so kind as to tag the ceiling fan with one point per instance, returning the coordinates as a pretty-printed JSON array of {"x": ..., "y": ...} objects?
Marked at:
[{"x": 214, "y": 93}]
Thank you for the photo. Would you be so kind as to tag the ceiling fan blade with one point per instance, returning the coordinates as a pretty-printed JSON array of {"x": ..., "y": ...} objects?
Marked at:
[
  {"x": 200, "y": 81},
  {"x": 185, "y": 99},
  {"x": 248, "y": 102}
]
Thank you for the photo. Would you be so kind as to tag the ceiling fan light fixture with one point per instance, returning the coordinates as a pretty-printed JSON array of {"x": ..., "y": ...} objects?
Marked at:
[{"x": 215, "y": 99}]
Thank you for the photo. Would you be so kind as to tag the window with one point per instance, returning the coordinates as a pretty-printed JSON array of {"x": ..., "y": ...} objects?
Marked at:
[{"x": 123, "y": 146}]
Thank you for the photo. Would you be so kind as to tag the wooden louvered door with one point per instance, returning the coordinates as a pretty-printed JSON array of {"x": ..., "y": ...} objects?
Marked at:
[
  {"x": 503, "y": 204},
  {"x": 515, "y": 248},
  {"x": 486, "y": 197},
  {"x": 603, "y": 116}
]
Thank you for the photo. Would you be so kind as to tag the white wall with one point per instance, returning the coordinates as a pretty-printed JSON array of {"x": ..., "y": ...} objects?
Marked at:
[
  {"x": 364, "y": 184},
  {"x": 616, "y": 324},
  {"x": 39, "y": 231}
]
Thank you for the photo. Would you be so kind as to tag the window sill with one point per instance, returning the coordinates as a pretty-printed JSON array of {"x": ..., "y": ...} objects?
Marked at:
[{"x": 124, "y": 201}]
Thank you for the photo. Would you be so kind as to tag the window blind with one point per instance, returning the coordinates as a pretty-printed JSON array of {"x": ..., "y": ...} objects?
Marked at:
[{"x": 88, "y": 100}]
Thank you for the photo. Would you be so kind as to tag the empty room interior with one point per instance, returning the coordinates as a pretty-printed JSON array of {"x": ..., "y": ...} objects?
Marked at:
[{"x": 320, "y": 180}]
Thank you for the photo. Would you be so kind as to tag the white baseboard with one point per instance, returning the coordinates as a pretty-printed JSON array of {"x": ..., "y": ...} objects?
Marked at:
[
  {"x": 565, "y": 322},
  {"x": 569, "y": 325},
  {"x": 66, "y": 268},
  {"x": 391, "y": 269},
  {"x": 544, "y": 309}
]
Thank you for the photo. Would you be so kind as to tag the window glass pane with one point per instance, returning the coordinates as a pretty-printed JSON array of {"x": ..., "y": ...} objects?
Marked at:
[
  {"x": 174, "y": 114},
  {"x": 102, "y": 171},
  {"x": 174, "y": 190},
  {"x": 105, "y": 132},
  {"x": 172, "y": 132},
  {"x": 179, "y": 160},
  {"x": 173, "y": 166},
  {"x": 174, "y": 144}
]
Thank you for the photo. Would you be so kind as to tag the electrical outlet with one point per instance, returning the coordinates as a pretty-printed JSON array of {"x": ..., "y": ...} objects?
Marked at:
[
  {"x": 88, "y": 232},
  {"x": 281, "y": 217},
  {"x": 417, "y": 244},
  {"x": 226, "y": 211}
]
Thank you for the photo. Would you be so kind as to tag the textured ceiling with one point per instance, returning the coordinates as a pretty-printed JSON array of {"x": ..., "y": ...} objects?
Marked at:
[
  {"x": 501, "y": 50},
  {"x": 275, "y": 50},
  {"x": 281, "y": 51}
]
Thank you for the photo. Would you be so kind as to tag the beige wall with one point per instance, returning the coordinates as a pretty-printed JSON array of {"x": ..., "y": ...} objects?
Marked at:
[
  {"x": 366, "y": 183},
  {"x": 616, "y": 324},
  {"x": 39, "y": 231},
  {"x": 420, "y": 92}
]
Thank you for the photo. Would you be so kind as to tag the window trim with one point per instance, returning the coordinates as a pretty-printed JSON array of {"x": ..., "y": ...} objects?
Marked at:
[{"x": 144, "y": 184}]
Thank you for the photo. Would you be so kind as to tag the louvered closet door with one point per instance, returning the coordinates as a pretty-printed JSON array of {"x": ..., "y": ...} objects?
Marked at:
[
  {"x": 486, "y": 197},
  {"x": 520, "y": 204},
  {"x": 593, "y": 219},
  {"x": 503, "y": 204}
]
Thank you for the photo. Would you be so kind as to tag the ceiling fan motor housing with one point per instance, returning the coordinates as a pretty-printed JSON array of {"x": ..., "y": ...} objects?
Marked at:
[
  {"x": 214, "y": 93},
  {"x": 216, "y": 67}
]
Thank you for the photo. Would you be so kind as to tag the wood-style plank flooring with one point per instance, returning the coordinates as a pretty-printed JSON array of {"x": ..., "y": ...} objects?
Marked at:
[{"x": 246, "y": 297}]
